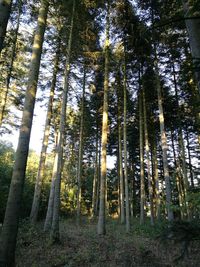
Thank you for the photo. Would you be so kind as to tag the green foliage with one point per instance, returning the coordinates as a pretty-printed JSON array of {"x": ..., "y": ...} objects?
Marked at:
[
  {"x": 6, "y": 162},
  {"x": 147, "y": 230},
  {"x": 193, "y": 199}
]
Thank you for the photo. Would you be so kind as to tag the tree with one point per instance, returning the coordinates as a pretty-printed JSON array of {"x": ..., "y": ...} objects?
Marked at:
[
  {"x": 10, "y": 225},
  {"x": 13, "y": 54},
  {"x": 80, "y": 153},
  {"x": 5, "y": 8},
  {"x": 41, "y": 169},
  {"x": 55, "y": 235},
  {"x": 125, "y": 145},
  {"x": 101, "y": 228}
]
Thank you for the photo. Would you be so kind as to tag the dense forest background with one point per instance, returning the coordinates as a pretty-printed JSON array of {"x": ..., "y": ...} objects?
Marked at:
[{"x": 118, "y": 84}]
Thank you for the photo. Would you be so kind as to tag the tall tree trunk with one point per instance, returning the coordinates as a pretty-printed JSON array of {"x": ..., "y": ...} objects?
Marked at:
[
  {"x": 55, "y": 233},
  {"x": 95, "y": 179},
  {"x": 164, "y": 150},
  {"x": 193, "y": 28},
  {"x": 189, "y": 158},
  {"x": 178, "y": 180},
  {"x": 41, "y": 168},
  {"x": 156, "y": 178},
  {"x": 10, "y": 69},
  {"x": 101, "y": 227},
  {"x": 132, "y": 191},
  {"x": 80, "y": 153},
  {"x": 49, "y": 214},
  {"x": 125, "y": 150},
  {"x": 150, "y": 186},
  {"x": 142, "y": 183},
  {"x": 98, "y": 178},
  {"x": 10, "y": 225},
  {"x": 121, "y": 178},
  {"x": 5, "y": 8},
  {"x": 181, "y": 142}
]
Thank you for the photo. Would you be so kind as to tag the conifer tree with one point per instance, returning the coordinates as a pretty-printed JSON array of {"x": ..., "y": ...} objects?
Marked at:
[{"x": 10, "y": 225}]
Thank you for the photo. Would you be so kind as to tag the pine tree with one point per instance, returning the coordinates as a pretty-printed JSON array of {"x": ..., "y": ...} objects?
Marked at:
[{"x": 10, "y": 225}]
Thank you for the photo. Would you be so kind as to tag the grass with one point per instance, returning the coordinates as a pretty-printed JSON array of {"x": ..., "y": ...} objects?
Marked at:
[{"x": 82, "y": 247}]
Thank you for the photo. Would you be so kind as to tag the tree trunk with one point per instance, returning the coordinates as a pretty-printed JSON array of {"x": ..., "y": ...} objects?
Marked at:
[
  {"x": 132, "y": 192},
  {"x": 55, "y": 235},
  {"x": 49, "y": 214},
  {"x": 5, "y": 94},
  {"x": 164, "y": 151},
  {"x": 189, "y": 158},
  {"x": 178, "y": 180},
  {"x": 98, "y": 178},
  {"x": 94, "y": 188},
  {"x": 121, "y": 178},
  {"x": 181, "y": 143},
  {"x": 101, "y": 227},
  {"x": 10, "y": 225},
  {"x": 125, "y": 151},
  {"x": 80, "y": 153},
  {"x": 193, "y": 28},
  {"x": 150, "y": 182},
  {"x": 156, "y": 179},
  {"x": 41, "y": 168},
  {"x": 5, "y": 8},
  {"x": 142, "y": 184}
]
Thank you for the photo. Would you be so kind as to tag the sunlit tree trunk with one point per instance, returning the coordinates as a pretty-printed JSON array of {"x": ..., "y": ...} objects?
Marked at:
[
  {"x": 101, "y": 227},
  {"x": 147, "y": 149},
  {"x": 49, "y": 214},
  {"x": 193, "y": 28},
  {"x": 189, "y": 158},
  {"x": 125, "y": 151},
  {"x": 5, "y": 8},
  {"x": 164, "y": 150},
  {"x": 41, "y": 168},
  {"x": 156, "y": 179},
  {"x": 80, "y": 153},
  {"x": 10, "y": 225},
  {"x": 10, "y": 69},
  {"x": 55, "y": 232}
]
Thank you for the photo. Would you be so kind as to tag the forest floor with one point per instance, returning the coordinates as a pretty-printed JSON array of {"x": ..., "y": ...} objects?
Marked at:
[{"x": 82, "y": 247}]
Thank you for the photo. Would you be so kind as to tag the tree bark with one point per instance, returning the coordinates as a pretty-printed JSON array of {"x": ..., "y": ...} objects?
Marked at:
[
  {"x": 80, "y": 152},
  {"x": 101, "y": 227},
  {"x": 94, "y": 188},
  {"x": 189, "y": 158},
  {"x": 5, "y": 8},
  {"x": 49, "y": 214},
  {"x": 41, "y": 168},
  {"x": 156, "y": 179},
  {"x": 178, "y": 180},
  {"x": 164, "y": 151},
  {"x": 55, "y": 233},
  {"x": 121, "y": 178},
  {"x": 125, "y": 150},
  {"x": 10, "y": 225},
  {"x": 142, "y": 184},
  {"x": 150, "y": 186},
  {"x": 181, "y": 143}
]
